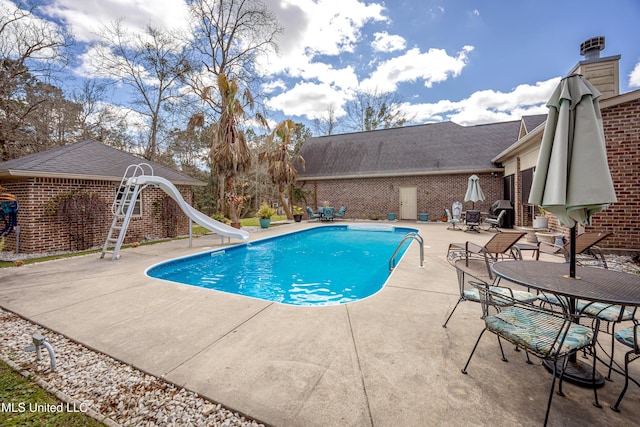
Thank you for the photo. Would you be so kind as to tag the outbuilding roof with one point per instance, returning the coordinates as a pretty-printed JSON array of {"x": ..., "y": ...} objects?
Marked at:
[
  {"x": 89, "y": 159},
  {"x": 437, "y": 148}
]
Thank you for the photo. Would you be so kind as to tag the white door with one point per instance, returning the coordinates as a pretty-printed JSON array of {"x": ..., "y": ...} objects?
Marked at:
[{"x": 408, "y": 202}]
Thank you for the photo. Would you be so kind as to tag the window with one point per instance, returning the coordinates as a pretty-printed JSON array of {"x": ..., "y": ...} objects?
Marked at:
[
  {"x": 137, "y": 209},
  {"x": 527, "y": 181}
]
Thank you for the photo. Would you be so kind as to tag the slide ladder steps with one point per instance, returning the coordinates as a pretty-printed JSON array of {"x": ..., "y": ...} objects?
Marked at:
[{"x": 123, "y": 207}]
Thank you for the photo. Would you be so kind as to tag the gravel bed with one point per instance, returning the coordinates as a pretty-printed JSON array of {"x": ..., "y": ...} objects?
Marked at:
[{"x": 108, "y": 390}]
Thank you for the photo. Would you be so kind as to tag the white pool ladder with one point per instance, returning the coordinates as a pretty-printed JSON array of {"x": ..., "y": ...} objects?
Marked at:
[
  {"x": 415, "y": 236},
  {"x": 122, "y": 208}
]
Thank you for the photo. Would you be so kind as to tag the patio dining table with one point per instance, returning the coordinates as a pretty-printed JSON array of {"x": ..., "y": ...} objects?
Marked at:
[{"x": 591, "y": 284}]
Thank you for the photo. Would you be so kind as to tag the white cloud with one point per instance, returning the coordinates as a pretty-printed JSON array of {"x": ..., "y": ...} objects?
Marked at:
[
  {"x": 488, "y": 106},
  {"x": 433, "y": 66},
  {"x": 21, "y": 34},
  {"x": 85, "y": 18},
  {"x": 634, "y": 76},
  {"x": 273, "y": 86},
  {"x": 317, "y": 27},
  {"x": 308, "y": 99},
  {"x": 385, "y": 42}
]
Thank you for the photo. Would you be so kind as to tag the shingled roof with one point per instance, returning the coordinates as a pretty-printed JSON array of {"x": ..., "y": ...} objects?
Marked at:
[
  {"x": 413, "y": 150},
  {"x": 88, "y": 159}
]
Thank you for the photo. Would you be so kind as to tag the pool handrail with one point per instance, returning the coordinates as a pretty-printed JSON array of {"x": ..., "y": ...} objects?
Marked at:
[{"x": 415, "y": 236}]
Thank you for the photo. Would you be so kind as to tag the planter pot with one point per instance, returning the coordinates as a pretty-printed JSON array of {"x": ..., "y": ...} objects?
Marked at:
[
  {"x": 297, "y": 217},
  {"x": 264, "y": 222},
  {"x": 424, "y": 216},
  {"x": 540, "y": 222},
  {"x": 391, "y": 216},
  {"x": 236, "y": 225}
]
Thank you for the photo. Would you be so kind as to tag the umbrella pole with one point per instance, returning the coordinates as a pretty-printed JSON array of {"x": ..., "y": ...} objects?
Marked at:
[{"x": 572, "y": 252}]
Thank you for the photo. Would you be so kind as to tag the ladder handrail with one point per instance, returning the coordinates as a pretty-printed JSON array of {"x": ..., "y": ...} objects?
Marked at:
[
  {"x": 125, "y": 189},
  {"x": 415, "y": 236},
  {"x": 123, "y": 206}
]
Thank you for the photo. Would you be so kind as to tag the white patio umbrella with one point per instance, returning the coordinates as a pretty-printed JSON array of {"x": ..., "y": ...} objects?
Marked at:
[
  {"x": 474, "y": 192},
  {"x": 572, "y": 178}
]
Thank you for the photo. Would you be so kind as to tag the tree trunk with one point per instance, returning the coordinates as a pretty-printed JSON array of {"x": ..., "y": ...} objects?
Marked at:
[{"x": 286, "y": 206}]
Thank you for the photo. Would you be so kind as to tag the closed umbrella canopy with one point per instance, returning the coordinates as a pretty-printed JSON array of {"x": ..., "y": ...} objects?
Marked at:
[
  {"x": 474, "y": 192},
  {"x": 572, "y": 178}
]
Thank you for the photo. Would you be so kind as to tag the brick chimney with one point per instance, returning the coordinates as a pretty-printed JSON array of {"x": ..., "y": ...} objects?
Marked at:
[{"x": 603, "y": 73}]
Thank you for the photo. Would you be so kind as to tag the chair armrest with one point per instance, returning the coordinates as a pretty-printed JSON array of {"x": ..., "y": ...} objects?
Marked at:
[{"x": 552, "y": 249}]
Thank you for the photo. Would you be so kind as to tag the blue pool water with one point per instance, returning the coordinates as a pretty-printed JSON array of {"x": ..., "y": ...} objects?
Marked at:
[{"x": 319, "y": 266}]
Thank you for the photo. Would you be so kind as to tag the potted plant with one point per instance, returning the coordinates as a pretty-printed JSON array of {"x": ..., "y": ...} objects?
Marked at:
[
  {"x": 297, "y": 213},
  {"x": 541, "y": 221},
  {"x": 264, "y": 214}
]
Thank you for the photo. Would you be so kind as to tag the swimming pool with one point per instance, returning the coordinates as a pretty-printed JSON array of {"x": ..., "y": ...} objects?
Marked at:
[{"x": 324, "y": 265}]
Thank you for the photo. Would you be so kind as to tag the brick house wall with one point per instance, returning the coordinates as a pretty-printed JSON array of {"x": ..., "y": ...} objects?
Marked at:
[
  {"x": 622, "y": 136},
  {"x": 373, "y": 198},
  {"x": 40, "y": 232},
  {"x": 621, "y": 124}
]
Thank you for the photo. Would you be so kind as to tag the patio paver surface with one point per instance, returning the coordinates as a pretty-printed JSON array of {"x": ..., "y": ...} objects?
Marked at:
[{"x": 382, "y": 361}]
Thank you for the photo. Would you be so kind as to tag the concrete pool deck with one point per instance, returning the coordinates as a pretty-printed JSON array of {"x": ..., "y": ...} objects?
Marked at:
[{"x": 382, "y": 361}]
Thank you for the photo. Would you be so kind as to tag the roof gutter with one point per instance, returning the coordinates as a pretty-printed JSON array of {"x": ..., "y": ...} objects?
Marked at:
[
  {"x": 8, "y": 173},
  {"x": 398, "y": 174}
]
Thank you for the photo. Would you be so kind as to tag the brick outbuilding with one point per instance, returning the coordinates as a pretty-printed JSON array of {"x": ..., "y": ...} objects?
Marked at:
[{"x": 95, "y": 169}]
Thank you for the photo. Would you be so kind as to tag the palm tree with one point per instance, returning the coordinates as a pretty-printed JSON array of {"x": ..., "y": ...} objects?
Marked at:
[
  {"x": 280, "y": 161},
  {"x": 229, "y": 153}
]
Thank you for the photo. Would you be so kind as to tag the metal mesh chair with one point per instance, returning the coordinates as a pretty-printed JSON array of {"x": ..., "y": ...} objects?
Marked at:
[
  {"x": 475, "y": 269},
  {"x": 631, "y": 338},
  {"x": 548, "y": 335}
]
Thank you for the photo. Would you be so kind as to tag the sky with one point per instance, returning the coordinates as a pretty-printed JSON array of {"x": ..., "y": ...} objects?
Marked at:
[{"x": 470, "y": 62}]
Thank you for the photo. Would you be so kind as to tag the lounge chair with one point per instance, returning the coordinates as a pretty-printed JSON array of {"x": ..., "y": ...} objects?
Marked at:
[
  {"x": 586, "y": 249},
  {"x": 498, "y": 247},
  {"x": 313, "y": 215}
]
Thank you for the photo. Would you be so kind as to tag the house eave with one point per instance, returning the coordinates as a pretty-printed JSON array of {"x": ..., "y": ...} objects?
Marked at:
[
  {"x": 16, "y": 173},
  {"x": 519, "y": 145},
  {"x": 397, "y": 174}
]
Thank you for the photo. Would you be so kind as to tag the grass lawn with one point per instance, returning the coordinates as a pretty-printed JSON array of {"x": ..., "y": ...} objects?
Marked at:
[{"x": 24, "y": 403}]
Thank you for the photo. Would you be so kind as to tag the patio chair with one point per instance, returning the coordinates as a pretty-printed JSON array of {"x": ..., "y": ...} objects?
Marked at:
[
  {"x": 327, "y": 214},
  {"x": 548, "y": 335},
  {"x": 631, "y": 338},
  {"x": 313, "y": 215},
  {"x": 586, "y": 250},
  {"x": 341, "y": 212},
  {"x": 475, "y": 269},
  {"x": 498, "y": 247},
  {"x": 472, "y": 220},
  {"x": 610, "y": 314},
  {"x": 456, "y": 217},
  {"x": 494, "y": 223}
]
